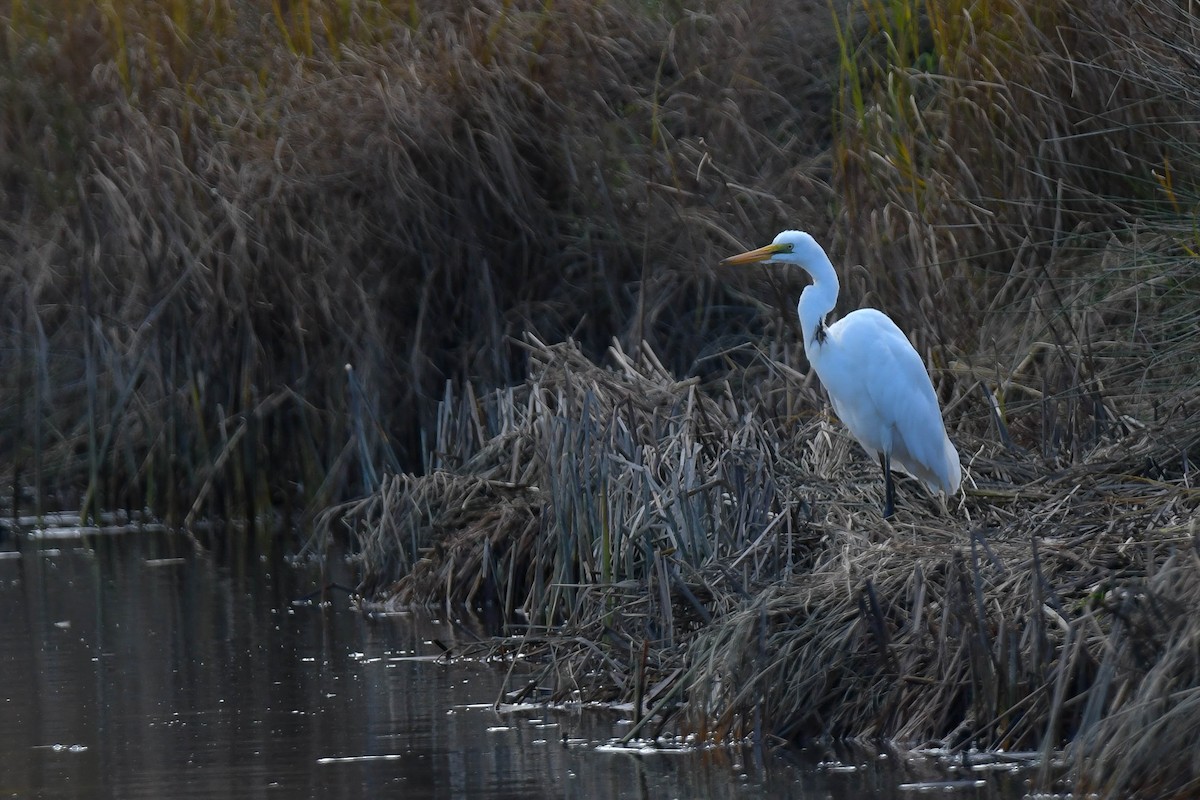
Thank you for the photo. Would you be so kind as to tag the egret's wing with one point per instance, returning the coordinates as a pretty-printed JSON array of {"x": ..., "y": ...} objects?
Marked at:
[{"x": 889, "y": 399}]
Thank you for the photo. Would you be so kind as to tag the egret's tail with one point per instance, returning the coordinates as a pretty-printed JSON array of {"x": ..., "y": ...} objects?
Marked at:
[
  {"x": 940, "y": 471},
  {"x": 952, "y": 478}
]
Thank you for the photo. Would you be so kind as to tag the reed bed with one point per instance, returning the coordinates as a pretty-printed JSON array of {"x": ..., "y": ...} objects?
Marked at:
[
  {"x": 711, "y": 549},
  {"x": 661, "y": 542},
  {"x": 211, "y": 208},
  {"x": 439, "y": 274}
]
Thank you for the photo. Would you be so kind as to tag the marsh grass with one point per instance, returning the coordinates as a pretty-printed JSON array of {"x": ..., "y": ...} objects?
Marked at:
[
  {"x": 982, "y": 146},
  {"x": 671, "y": 544},
  {"x": 212, "y": 208},
  {"x": 638, "y": 467},
  {"x": 1017, "y": 183},
  {"x": 453, "y": 260}
]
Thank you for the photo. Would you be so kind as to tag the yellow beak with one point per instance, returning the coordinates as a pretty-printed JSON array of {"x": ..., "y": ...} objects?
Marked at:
[{"x": 761, "y": 254}]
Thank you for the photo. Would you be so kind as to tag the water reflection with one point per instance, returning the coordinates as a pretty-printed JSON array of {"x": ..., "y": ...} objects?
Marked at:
[{"x": 132, "y": 667}]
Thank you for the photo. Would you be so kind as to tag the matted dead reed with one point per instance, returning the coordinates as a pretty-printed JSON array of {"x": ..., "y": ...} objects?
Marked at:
[
  {"x": 582, "y": 477},
  {"x": 670, "y": 544}
]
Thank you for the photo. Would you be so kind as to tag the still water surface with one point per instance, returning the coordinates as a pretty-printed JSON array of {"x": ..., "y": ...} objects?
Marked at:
[{"x": 133, "y": 666}]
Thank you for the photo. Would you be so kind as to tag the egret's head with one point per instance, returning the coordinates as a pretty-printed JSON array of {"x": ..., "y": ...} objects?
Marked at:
[{"x": 789, "y": 247}]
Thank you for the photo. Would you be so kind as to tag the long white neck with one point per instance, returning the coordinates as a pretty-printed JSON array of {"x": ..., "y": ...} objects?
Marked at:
[{"x": 818, "y": 299}]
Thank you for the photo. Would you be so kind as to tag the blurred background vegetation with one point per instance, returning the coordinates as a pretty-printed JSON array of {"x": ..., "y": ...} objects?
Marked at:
[{"x": 246, "y": 248}]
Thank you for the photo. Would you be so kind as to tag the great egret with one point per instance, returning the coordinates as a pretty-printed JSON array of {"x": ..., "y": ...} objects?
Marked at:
[{"x": 875, "y": 379}]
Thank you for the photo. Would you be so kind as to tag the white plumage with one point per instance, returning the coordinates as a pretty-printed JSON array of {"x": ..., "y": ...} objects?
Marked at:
[{"x": 875, "y": 379}]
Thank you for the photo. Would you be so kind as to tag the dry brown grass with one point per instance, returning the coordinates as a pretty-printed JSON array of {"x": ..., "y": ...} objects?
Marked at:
[
  {"x": 1016, "y": 182},
  {"x": 211, "y": 208},
  {"x": 655, "y": 540},
  {"x": 983, "y": 143}
]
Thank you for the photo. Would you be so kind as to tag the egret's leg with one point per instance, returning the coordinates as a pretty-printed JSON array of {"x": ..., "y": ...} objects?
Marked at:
[{"x": 889, "y": 503}]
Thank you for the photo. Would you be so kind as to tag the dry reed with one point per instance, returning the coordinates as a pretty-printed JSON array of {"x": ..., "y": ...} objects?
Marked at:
[
  {"x": 1052, "y": 295},
  {"x": 211, "y": 209},
  {"x": 671, "y": 544}
]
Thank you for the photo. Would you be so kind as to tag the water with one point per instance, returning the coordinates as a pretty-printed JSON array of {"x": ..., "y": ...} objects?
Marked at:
[{"x": 132, "y": 666}]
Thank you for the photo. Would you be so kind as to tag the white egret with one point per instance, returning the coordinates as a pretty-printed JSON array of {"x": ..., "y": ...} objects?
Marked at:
[{"x": 874, "y": 378}]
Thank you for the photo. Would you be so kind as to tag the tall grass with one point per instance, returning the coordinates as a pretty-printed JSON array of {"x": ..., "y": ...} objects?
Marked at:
[
  {"x": 214, "y": 207},
  {"x": 1008, "y": 177},
  {"x": 1016, "y": 184},
  {"x": 265, "y": 257},
  {"x": 692, "y": 552}
]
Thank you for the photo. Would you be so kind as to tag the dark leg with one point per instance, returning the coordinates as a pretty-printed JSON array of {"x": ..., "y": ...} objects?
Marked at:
[{"x": 889, "y": 503}]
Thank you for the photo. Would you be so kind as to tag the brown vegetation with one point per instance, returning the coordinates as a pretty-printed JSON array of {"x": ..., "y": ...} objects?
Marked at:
[
  {"x": 210, "y": 209},
  {"x": 729, "y": 567}
]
